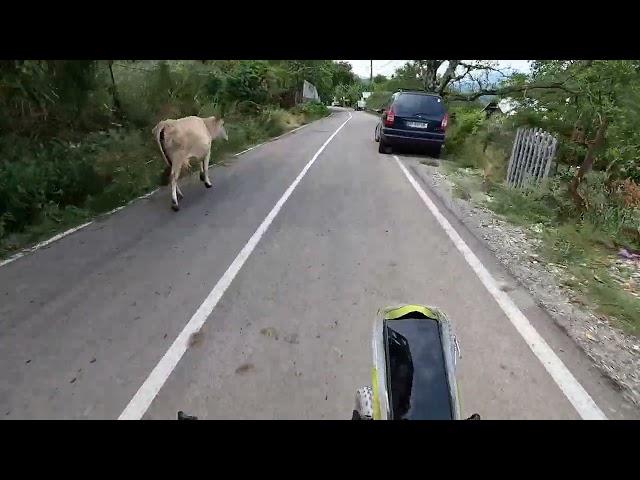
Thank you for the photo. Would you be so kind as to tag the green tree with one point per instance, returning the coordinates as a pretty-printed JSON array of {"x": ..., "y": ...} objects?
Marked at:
[
  {"x": 588, "y": 101},
  {"x": 341, "y": 93},
  {"x": 379, "y": 79},
  {"x": 354, "y": 92},
  {"x": 343, "y": 74}
]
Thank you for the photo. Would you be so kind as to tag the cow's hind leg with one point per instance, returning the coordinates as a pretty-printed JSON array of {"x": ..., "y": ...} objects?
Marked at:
[
  {"x": 204, "y": 170},
  {"x": 175, "y": 174},
  {"x": 180, "y": 195}
]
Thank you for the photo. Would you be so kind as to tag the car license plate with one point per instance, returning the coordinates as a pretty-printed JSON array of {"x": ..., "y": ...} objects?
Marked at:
[{"x": 417, "y": 124}]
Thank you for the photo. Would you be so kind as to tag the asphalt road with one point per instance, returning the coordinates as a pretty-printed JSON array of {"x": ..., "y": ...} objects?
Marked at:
[{"x": 85, "y": 321}]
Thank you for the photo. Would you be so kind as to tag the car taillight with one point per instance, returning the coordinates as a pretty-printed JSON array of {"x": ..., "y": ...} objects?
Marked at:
[
  {"x": 389, "y": 118},
  {"x": 445, "y": 122}
]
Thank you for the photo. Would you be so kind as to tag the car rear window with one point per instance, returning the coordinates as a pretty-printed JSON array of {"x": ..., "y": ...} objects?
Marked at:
[{"x": 412, "y": 104}]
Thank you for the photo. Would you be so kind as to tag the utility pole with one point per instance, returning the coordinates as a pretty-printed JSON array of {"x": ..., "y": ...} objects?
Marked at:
[{"x": 371, "y": 75}]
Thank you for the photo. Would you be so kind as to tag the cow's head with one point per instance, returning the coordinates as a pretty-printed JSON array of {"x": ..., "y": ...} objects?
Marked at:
[
  {"x": 222, "y": 132},
  {"x": 216, "y": 128}
]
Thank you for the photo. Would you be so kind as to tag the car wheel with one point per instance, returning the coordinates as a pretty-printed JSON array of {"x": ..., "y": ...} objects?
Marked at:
[
  {"x": 383, "y": 147},
  {"x": 435, "y": 151},
  {"x": 376, "y": 135}
]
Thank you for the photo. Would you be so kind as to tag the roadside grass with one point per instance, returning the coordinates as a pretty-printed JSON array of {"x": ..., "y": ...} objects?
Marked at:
[
  {"x": 583, "y": 243},
  {"x": 123, "y": 164},
  {"x": 467, "y": 183},
  {"x": 583, "y": 250},
  {"x": 432, "y": 162},
  {"x": 520, "y": 207}
]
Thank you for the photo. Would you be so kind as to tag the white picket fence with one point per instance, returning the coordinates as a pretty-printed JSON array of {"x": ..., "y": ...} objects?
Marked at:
[{"x": 531, "y": 157}]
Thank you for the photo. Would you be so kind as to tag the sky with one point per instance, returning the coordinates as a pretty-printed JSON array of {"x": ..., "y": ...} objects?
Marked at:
[{"x": 387, "y": 67}]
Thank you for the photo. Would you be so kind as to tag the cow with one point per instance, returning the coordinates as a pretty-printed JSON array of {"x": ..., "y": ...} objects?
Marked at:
[{"x": 185, "y": 139}]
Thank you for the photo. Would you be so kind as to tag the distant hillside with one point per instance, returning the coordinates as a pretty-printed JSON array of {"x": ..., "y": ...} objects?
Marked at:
[{"x": 468, "y": 85}]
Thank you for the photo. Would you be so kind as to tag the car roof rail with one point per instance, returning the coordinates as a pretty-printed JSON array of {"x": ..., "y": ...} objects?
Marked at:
[{"x": 416, "y": 90}]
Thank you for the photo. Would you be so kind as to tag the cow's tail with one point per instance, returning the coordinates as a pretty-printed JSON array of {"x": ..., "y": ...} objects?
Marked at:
[{"x": 158, "y": 133}]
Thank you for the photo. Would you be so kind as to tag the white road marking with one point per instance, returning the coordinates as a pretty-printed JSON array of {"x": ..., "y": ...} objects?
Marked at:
[
  {"x": 572, "y": 389},
  {"x": 38, "y": 246},
  {"x": 275, "y": 138},
  {"x": 70, "y": 231},
  {"x": 42, "y": 244},
  {"x": 141, "y": 401},
  {"x": 246, "y": 150}
]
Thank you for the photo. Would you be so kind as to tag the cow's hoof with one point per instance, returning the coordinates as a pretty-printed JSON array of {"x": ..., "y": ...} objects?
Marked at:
[
  {"x": 175, "y": 207},
  {"x": 208, "y": 185},
  {"x": 202, "y": 176}
]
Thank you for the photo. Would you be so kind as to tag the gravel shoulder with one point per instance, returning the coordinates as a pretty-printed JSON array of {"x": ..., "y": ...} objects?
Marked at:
[{"x": 615, "y": 353}]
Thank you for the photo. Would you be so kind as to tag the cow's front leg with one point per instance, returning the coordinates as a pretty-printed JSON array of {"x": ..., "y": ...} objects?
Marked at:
[
  {"x": 204, "y": 170},
  {"x": 175, "y": 173},
  {"x": 202, "y": 177}
]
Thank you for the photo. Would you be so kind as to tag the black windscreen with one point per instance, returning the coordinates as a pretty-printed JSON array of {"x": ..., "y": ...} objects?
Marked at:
[{"x": 416, "y": 372}]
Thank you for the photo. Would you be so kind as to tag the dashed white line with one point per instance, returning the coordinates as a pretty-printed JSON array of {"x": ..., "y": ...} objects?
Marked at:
[
  {"x": 141, "y": 401},
  {"x": 572, "y": 389}
]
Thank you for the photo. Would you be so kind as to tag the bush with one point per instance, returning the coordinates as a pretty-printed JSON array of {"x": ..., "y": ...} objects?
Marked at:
[
  {"x": 549, "y": 203},
  {"x": 33, "y": 176},
  {"x": 277, "y": 121},
  {"x": 378, "y": 100},
  {"x": 464, "y": 123},
  {"x": 69, "y": 152},
  {"x": 608, "y": 208},
  {"x": 248, "y": 84},
  {"x": 529, "y": 205},
  {"x": 129, "y": 164},
  {"x": 311, "y": 110},
  {"x": 165, "y": 90}
]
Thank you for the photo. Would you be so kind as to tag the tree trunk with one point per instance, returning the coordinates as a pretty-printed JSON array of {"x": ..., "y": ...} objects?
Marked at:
[
  {"x": 428, "y": 72},
  {"x": 587, "y": 163},
  {"x": 114, "y": 91},
  {"x": 448, "y": 75}
]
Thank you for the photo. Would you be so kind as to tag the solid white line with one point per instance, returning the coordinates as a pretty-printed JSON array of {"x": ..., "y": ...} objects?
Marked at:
[
  {"x": 159, "y": 375},
  {"x": 276, "y": 138},
  {"x": 42, "y": 244},
  {"x": 57, "y": 237},
  {"x": 38, "y": 246},
  {"x": 577, "y": 395},
  {"x": 247, "y": 150}
]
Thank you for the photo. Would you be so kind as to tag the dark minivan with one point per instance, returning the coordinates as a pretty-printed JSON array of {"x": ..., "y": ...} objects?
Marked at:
[{"x": 413, "y": 119}]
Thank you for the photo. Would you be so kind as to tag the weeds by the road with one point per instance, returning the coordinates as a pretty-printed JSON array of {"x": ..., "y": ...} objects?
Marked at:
[
  {"x": 583, "y": 240},
  {"x": 76, "y": 135},
  {"x": 102, "y": 171},
  {"x": 584, "y": 249},
  {"x": 587, "y": 254}
]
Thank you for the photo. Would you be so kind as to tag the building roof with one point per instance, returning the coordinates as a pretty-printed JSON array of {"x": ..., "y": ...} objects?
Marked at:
[{"x": 506, "y": 106}]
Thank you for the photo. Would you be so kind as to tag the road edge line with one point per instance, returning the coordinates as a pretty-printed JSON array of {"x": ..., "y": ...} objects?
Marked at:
[
  {"x": 568, "y": 384},
  {"x": 279, "y": 136},
  {"x": 28, "y": 250}
]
